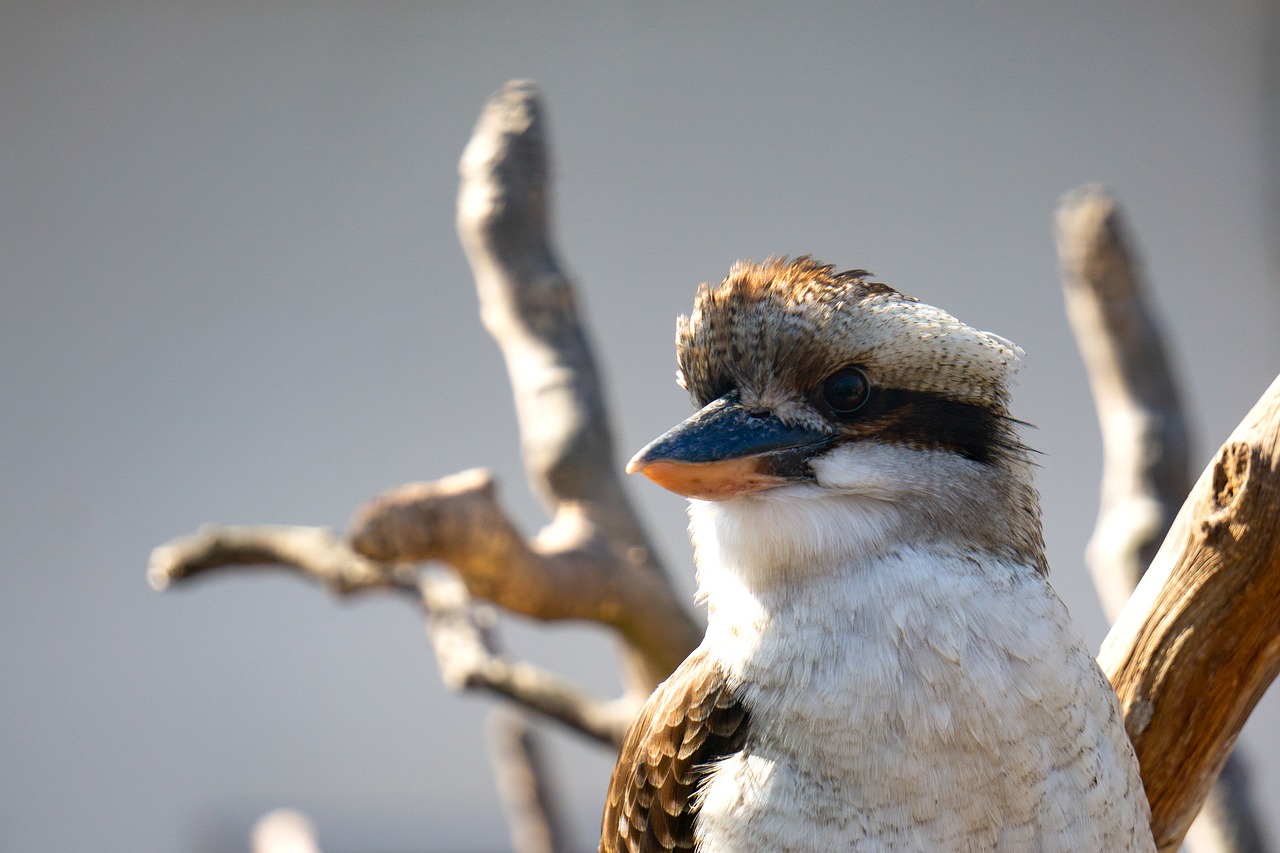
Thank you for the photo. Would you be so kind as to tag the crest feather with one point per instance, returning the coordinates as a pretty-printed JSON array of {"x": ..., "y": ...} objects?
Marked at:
[{"x": 788, "y": 323}]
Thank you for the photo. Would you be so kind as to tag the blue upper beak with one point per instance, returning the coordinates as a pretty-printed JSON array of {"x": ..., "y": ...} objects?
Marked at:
[{"x": 724, "y": 451}]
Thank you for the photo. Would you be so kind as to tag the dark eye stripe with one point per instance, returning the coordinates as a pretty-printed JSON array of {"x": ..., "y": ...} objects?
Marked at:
[{"x": 924, "y": 419}]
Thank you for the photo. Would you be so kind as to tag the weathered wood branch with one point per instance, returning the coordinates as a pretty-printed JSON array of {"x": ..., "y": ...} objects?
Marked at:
[
  {"x": 569, "y": 571},
  {"x": 460, "y": 632},
  {"x": 462, "y": 635},
  {"x": 1146, "y": 467},
  {"x": 594, "y": 560},
  {"x": 1199, "y": 642},
  {"x": 528, "y": 797},
  {"x": 313, "y": 552}
]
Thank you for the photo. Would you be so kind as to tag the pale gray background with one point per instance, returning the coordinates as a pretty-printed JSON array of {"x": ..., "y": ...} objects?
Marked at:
[{"x": 231, "y": 292}]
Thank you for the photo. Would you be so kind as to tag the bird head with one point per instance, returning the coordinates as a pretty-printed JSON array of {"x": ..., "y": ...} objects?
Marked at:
[{"x": 812, "y": 383}]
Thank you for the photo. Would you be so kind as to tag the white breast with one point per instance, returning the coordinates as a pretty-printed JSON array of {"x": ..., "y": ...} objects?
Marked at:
[{"x": 915, "y": 701}]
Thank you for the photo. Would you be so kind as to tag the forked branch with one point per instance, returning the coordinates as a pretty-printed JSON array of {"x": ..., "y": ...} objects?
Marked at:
[
  {"x": 460, "y": 632},
  {"x": 593, "y": 562},
  {"x": 528, "y": 304}
]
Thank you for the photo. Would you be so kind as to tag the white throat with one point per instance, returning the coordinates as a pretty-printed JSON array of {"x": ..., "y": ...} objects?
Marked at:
[
  {"x": 788, "y": 572},
  {"x": 785, "y": 535}
]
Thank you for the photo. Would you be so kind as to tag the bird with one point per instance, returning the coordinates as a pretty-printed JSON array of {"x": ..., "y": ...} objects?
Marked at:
[{"x": 885, "y": 665}]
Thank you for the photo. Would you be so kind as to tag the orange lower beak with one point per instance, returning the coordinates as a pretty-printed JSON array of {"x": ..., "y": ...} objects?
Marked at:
[{"x": 708, "y": 481}]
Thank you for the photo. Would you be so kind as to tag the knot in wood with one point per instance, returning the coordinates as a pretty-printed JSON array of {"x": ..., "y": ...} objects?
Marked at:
[
  {"x": 1230, "y": 487},
  {"x": 1230, "y": 472}
]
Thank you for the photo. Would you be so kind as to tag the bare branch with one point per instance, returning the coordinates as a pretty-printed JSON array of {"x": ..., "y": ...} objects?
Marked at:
[
  {"x": 1144, "y": 434},
  {"x": 460, "y": 632},
  {"x": 534, "y": 818},
  {"x": 567, "y": 572},
  {"x": 313, "y": 551},
  {"x": 594, "y": 560},
  {"x": 457, "y": 520},
  {"x": 1146, "y": 468},
  {"x": 1196, "y": 646}
]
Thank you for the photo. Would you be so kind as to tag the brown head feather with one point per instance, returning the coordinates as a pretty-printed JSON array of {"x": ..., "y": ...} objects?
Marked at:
[{"x": 775, "y": 328}]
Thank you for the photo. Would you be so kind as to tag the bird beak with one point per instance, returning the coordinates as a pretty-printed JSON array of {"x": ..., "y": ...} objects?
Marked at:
[{"x": 722, "y": 451}]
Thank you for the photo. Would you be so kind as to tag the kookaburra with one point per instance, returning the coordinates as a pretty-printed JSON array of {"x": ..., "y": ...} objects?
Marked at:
[{"x": 885, "y": 667}]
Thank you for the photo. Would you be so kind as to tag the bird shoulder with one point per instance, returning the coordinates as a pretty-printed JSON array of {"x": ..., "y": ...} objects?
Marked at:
[{"x": 690, "y": 722}]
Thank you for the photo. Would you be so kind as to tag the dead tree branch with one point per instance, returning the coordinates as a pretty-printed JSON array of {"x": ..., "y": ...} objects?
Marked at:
[
  {"x": 1146, "y": 468},
  {"x": 1146, "y": 472},
  {"x": 524, "y": 784},
  {"x": 457, "y": 520},
  {"x": 462, "y": 635},
  {"x": 593, "y": 561},
  {"x": 1196, "y": 646},
  {"x": 460, "y": 632},
  {"x": 313, "y": 552}
]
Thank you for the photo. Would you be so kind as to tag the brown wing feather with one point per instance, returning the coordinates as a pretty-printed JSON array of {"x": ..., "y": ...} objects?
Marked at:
[{"x": 692, "y": 720}]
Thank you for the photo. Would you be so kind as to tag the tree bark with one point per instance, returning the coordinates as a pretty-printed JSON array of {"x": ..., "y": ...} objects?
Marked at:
[
  {"x": 1199, "y": 641},
  {"x": 1146, "y": 467}
]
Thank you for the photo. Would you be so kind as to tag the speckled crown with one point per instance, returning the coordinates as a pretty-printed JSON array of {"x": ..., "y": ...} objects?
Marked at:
[{"x": 789, "y": 323}]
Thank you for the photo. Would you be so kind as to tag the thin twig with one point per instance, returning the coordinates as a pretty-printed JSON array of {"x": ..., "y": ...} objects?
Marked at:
[
  {"x": 314, "y": 552},
  {"x": 460, "y": 633},
  {"x": 458, "y": 629},
  {"x": 534, "y": 818}
]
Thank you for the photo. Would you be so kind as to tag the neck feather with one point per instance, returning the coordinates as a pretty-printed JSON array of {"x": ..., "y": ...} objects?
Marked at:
[{"x": 864, "y": 504}]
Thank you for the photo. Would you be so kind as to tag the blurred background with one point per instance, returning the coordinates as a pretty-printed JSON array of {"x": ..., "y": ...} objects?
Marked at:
[{"x": 230, "y": 291}]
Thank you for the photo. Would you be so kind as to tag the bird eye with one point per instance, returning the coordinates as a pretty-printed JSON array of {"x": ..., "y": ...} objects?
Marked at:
[{"x": 846, "y": 391}]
